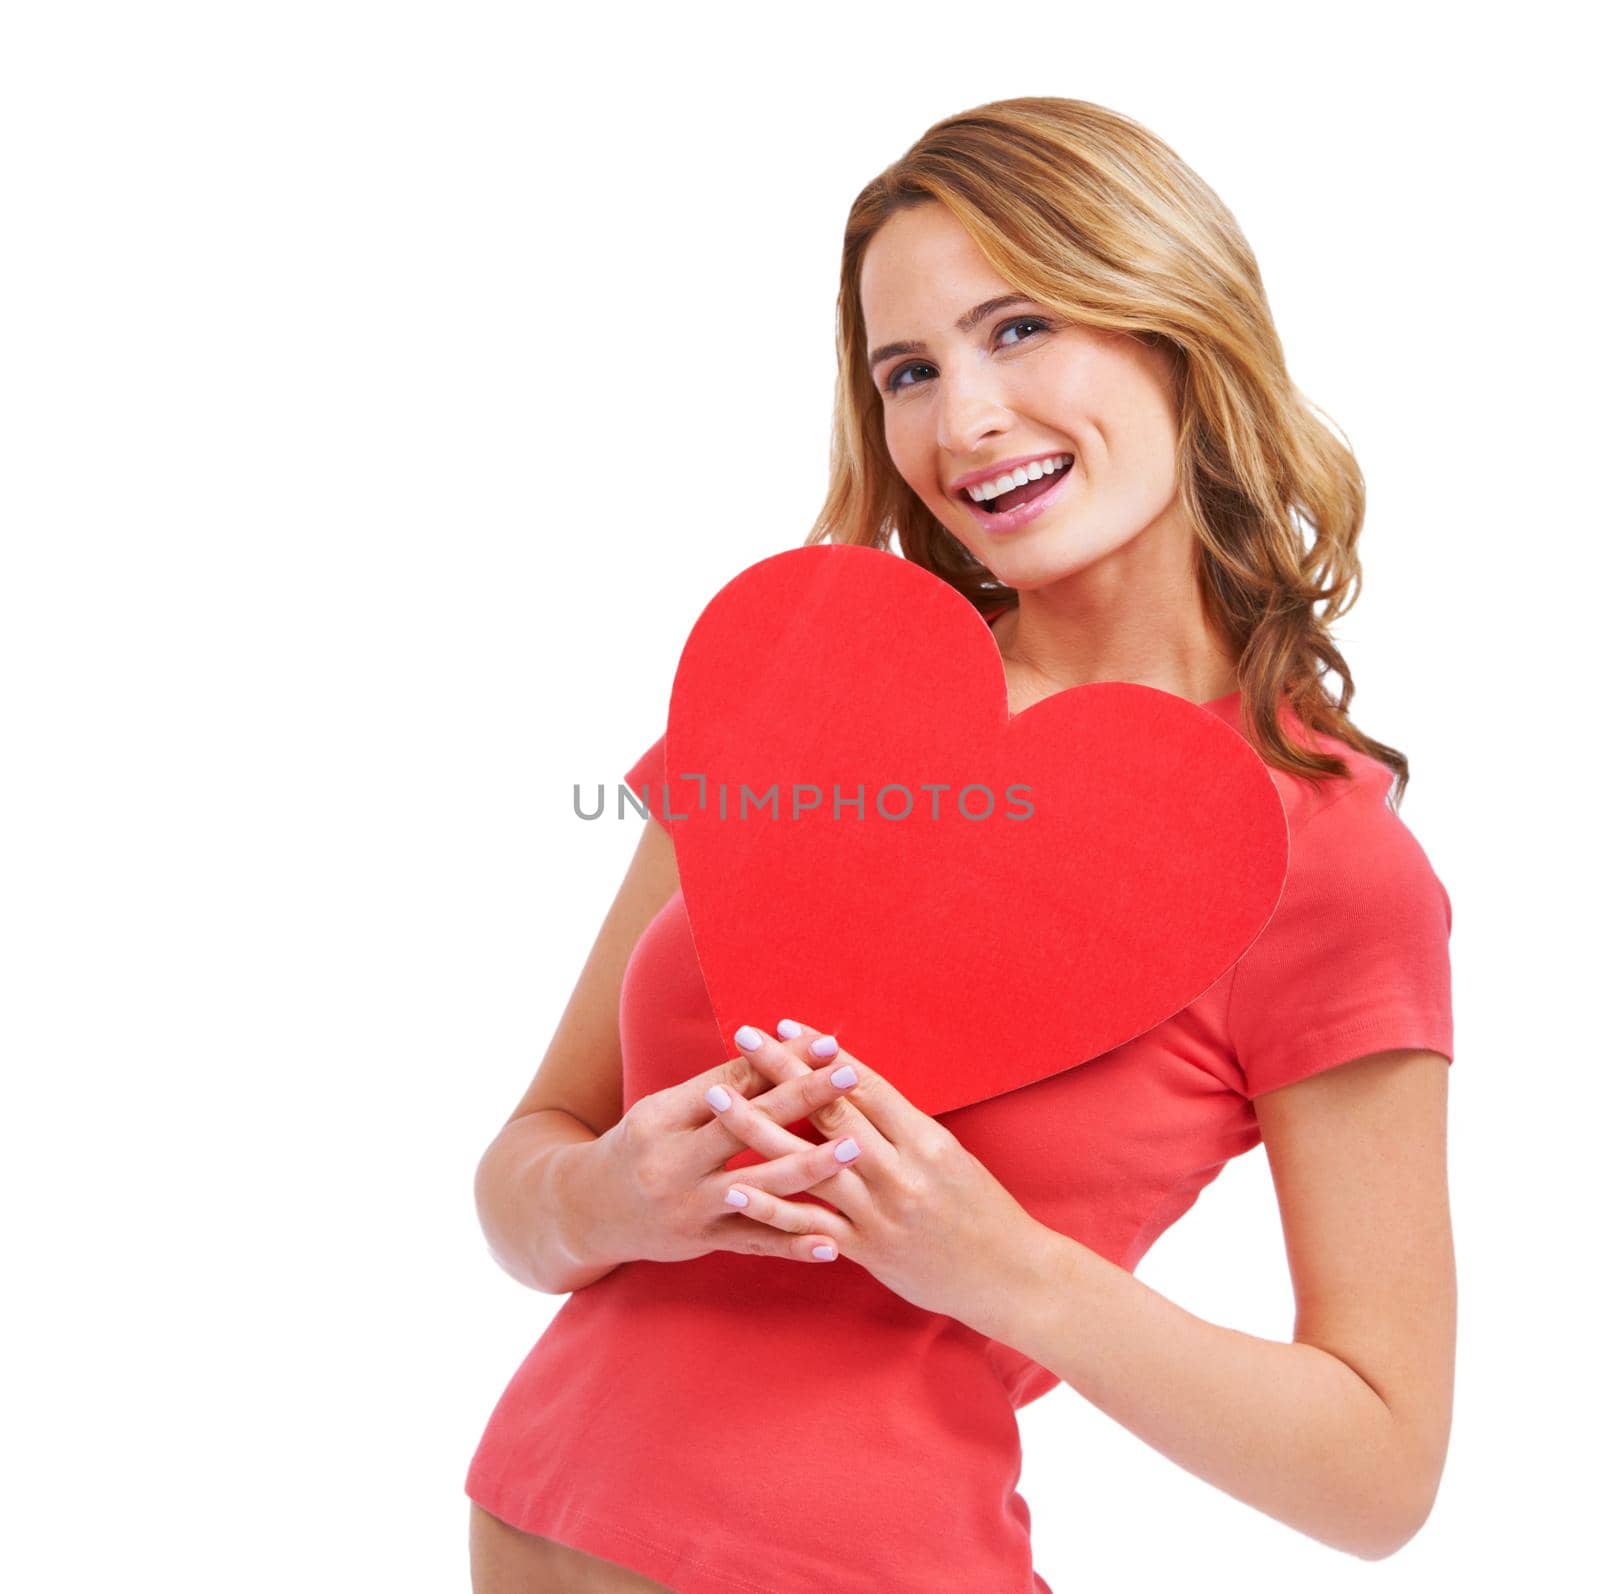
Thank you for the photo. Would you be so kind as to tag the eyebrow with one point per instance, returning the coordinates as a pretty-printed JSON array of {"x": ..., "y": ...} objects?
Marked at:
[{"x": 979, "y": 312}]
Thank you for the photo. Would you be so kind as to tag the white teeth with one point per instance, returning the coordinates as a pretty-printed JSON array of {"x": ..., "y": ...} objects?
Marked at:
[{"x": 1030, "y": 472}]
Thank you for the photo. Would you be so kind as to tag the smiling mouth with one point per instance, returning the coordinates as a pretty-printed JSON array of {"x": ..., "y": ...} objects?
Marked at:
[{"x": 1026, "y": 493}]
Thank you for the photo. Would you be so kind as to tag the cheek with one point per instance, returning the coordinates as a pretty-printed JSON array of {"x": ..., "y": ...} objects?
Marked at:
[
  {"x": 913, "y": 457},
  {"x": 1127, "y": 418},
  {"x": 1149, "y": 454},
  {"x": 902, "y": 433}
]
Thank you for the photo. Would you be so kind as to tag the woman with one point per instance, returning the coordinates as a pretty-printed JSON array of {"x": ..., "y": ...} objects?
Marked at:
[{"x": 1040, "y": 300}]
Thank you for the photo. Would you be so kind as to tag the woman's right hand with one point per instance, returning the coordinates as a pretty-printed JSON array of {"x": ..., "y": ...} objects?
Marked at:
[{"x": 659, "y": 1191}]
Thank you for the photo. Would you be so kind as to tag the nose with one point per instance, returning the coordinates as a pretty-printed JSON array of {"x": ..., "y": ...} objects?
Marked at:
[{"x": 970, "y": 412}]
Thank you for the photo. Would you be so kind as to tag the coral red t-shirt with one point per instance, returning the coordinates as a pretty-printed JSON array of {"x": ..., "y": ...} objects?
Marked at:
[{"x": 753, "y": 1425}]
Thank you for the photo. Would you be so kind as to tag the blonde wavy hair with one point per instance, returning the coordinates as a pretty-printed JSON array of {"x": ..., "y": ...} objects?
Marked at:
[{"x": 1085, "y": 211}]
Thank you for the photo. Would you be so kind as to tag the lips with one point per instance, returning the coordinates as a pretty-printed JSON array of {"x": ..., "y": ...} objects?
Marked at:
[
  {"x": 1033, "y": 499},
  {"x": 1005, "y": 467},
  {"x": 1016, "y": 497}
]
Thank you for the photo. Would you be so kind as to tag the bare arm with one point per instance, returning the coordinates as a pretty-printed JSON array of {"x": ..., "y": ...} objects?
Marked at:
[
  {"x": 531, "y": 1183},
  {"x": 1342, "y": 1433}
]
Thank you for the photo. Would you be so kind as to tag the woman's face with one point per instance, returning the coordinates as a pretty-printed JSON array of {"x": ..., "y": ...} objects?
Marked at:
[{"x": 1017, "y": 383}]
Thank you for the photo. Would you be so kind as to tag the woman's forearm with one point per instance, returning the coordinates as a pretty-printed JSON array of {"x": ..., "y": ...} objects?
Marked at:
[
  {"x": 531, "y": 1202},
  {"x": 1285, "y": 1427}
]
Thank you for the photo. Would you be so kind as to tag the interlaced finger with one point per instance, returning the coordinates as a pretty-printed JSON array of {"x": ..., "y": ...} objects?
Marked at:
[
  {"x": 760, "y": 1066},
  {"x": 759, "y": 1123}
]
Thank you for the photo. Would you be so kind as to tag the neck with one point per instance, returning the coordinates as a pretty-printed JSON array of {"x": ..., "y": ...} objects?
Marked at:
[{"x": 1078, "y": 630}]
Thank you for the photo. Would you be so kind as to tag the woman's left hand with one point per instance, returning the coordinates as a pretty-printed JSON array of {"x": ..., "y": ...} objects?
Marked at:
[{"x": 915, "y": 1208}]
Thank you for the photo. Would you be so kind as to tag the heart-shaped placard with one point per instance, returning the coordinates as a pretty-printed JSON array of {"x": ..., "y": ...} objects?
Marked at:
[{"x": 967, "y": 940}]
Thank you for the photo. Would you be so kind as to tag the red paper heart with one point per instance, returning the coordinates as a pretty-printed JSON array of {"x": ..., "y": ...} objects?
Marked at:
[{"x": 961, "y": 956}]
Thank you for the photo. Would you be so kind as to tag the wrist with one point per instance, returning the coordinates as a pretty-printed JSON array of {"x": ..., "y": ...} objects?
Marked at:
[
  {"x": 1035, "y": 1274},
  {"x": 585, "y": 1238}
]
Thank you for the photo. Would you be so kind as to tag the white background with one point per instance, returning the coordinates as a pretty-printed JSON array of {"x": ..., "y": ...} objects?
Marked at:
[{"x": 386, "y": 390}]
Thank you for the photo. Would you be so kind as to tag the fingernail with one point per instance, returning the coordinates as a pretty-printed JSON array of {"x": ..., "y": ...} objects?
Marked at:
[
  {"x": 843, "y": 1077},
  {"x": 788, "y": 1029},
  {"x": 736, "y": 1197},
  {"x": 846, "y": 1151},
  {"x": 824, "y": 1253},
  {"x": 824, "y": 1046},
  {"x": 719, "y": 1098},
  {"x": 747, "y": 1037}
]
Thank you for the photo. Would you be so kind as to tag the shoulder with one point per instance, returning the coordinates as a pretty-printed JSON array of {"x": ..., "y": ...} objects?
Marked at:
[
  {"x": 1349, "y": 848},
  {"x": 1306, "y": 801},
  {"x": 1352, "y": 858},
  {"x": 1355, "y": 957}
]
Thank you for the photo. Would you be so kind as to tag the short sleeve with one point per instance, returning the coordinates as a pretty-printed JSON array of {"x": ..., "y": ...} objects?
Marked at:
[
  {"x": 649, "y": 769},
  {"x": 1356, "y": 957}
]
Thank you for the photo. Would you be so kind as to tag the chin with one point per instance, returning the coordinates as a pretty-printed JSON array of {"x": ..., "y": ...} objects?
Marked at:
[{"x": 1030, "y": 565}]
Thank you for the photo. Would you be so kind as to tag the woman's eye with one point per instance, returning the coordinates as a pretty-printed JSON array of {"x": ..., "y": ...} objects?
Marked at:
[
  {"x": 1024, "y": 321},
  {"x": 895, "y": 385}
]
